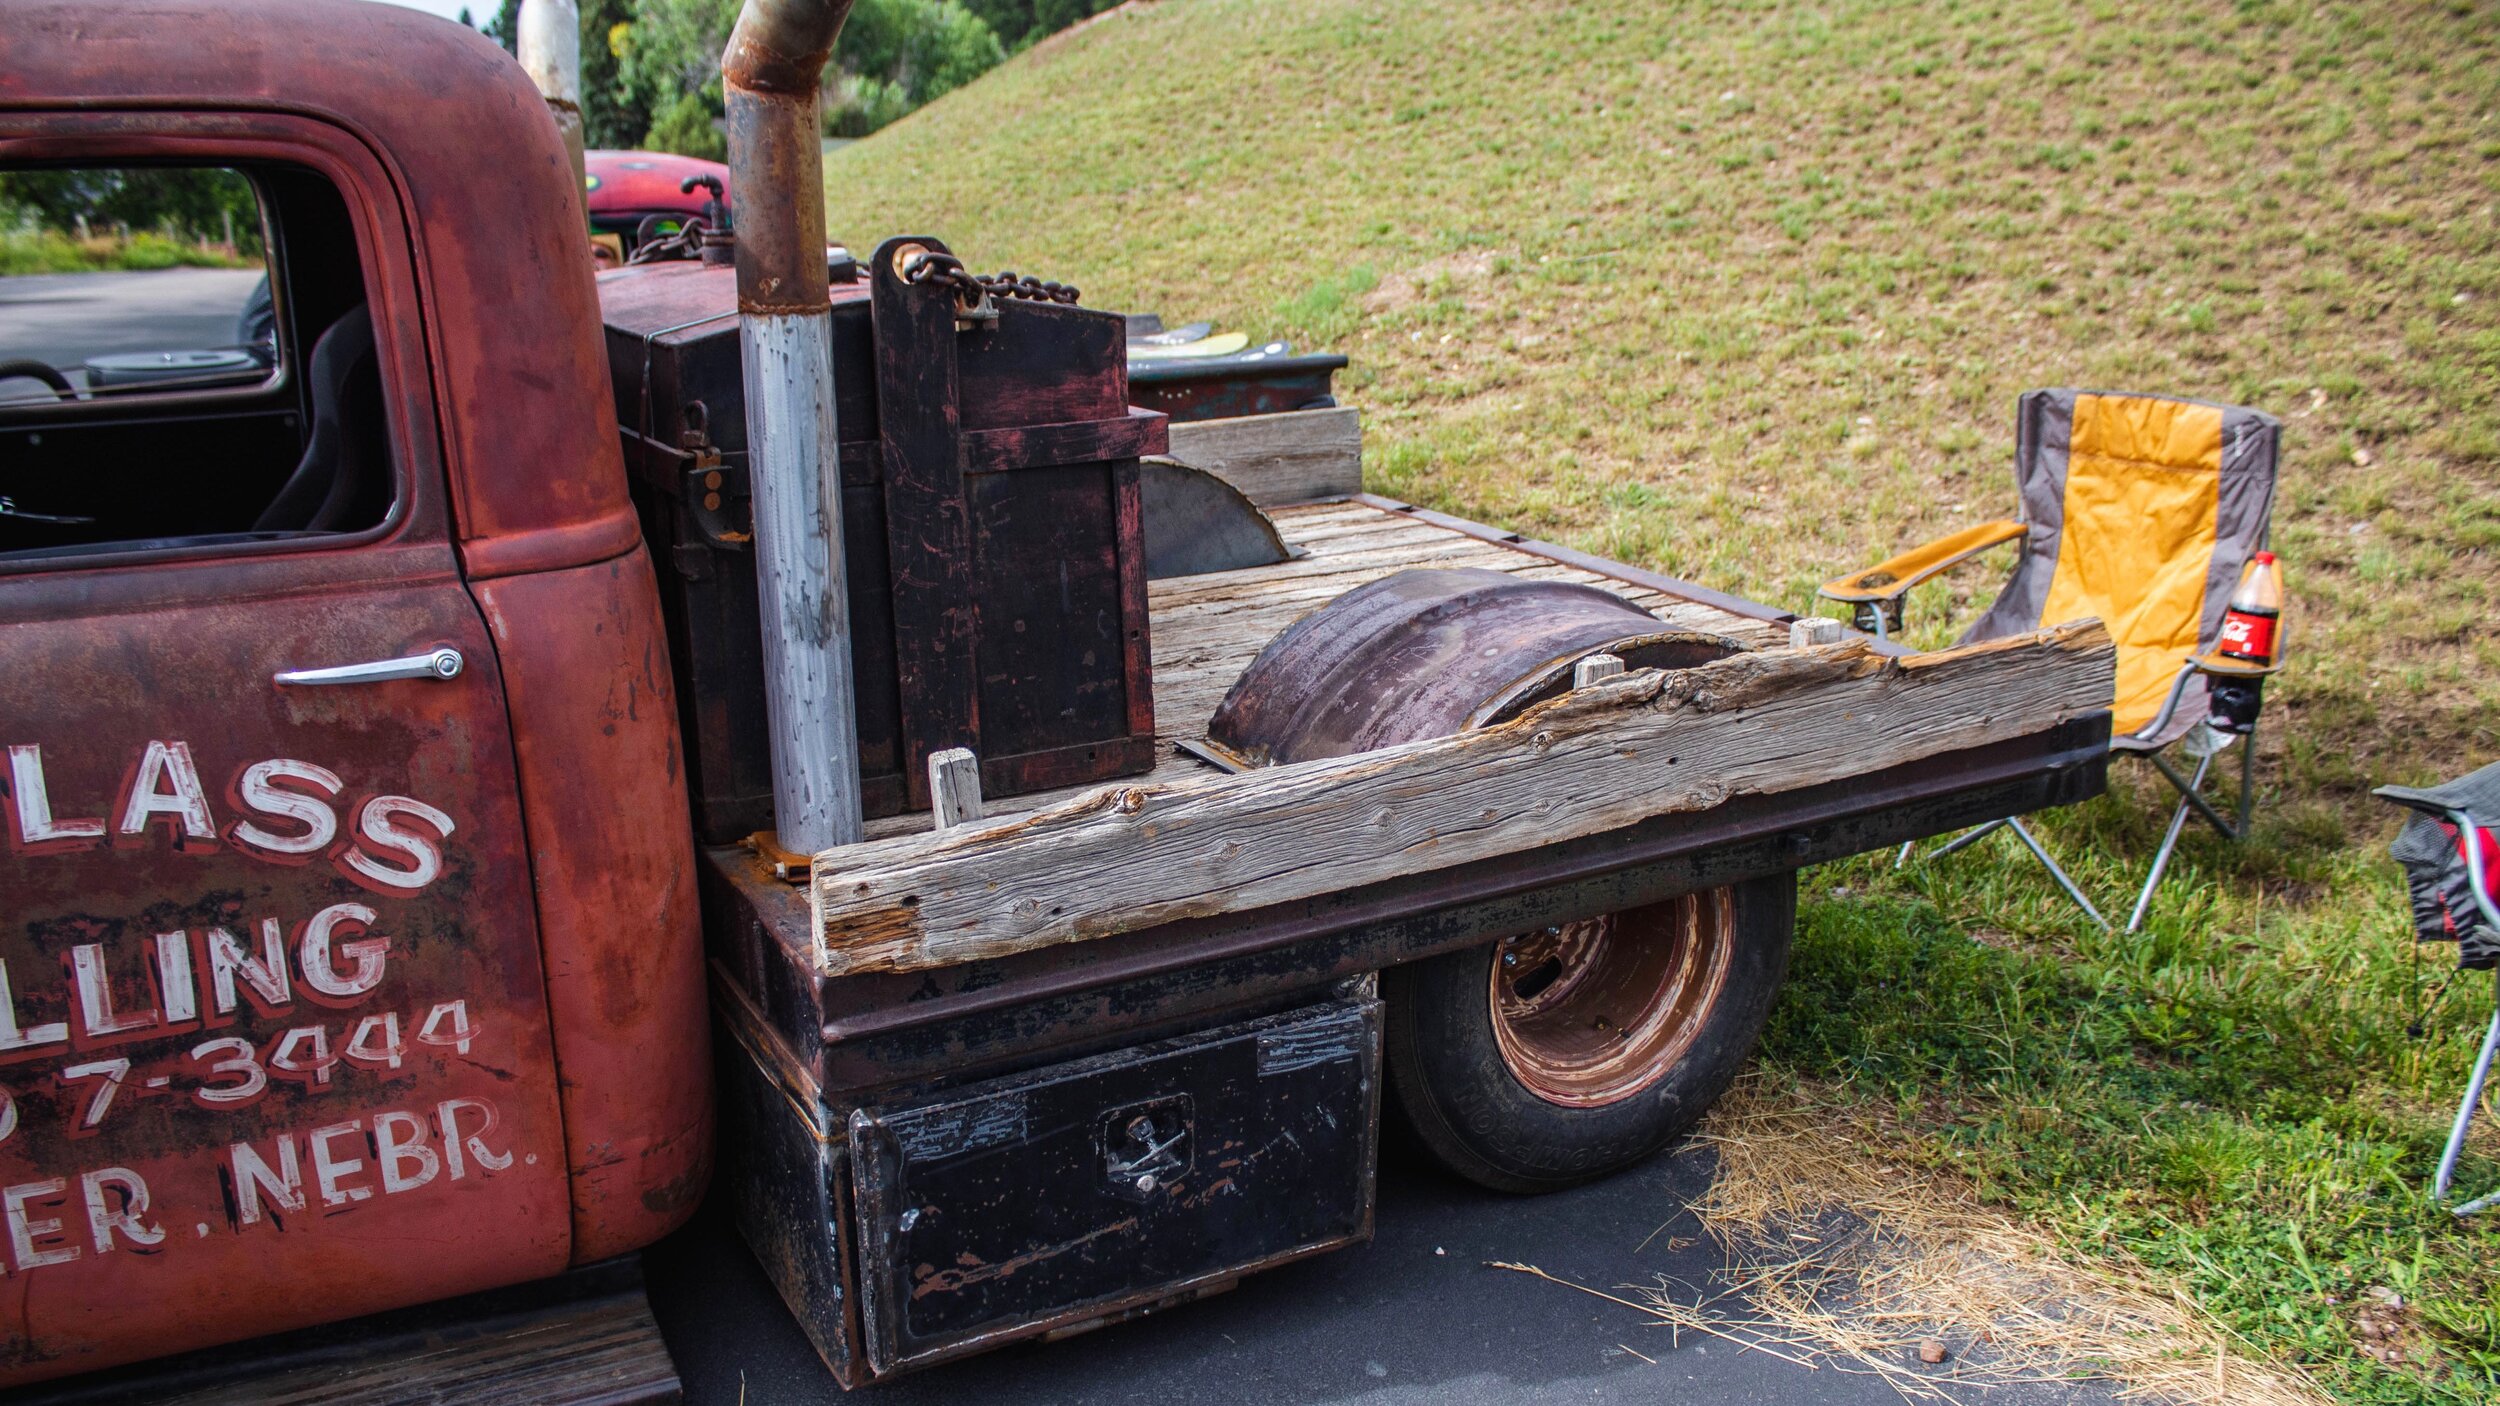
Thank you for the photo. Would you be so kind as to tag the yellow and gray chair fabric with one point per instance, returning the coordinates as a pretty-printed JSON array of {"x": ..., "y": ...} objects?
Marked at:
[{"x": 2142, "y": 510}]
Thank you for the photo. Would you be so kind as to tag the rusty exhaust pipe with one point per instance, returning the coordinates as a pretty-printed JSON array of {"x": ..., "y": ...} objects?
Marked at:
[
  {"x": 773, "y": 70},
  {"x": 549, "y": 42}
]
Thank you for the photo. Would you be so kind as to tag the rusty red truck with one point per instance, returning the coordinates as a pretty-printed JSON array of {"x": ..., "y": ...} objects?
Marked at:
[{"x": 504, "y": 751}]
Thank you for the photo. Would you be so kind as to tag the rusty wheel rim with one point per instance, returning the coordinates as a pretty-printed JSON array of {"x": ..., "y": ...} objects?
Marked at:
[{"x": 1593, "y": 1012}]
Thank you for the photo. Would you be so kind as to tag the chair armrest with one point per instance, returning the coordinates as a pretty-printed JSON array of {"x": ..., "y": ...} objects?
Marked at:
[
  {"x": 2218, "y": 667},
  {"x": 1895, "y": 577}
]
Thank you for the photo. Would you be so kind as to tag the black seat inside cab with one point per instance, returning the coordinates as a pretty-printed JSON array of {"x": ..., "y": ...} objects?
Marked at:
[{"x": 342, "y": 482}]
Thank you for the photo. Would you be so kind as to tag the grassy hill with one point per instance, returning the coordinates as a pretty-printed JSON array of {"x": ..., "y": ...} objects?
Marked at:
[{"x": 1746, "y": 292}]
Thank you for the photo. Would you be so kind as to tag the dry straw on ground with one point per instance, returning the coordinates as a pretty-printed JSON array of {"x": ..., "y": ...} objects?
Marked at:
[{"x": 1839, "y": 1259}]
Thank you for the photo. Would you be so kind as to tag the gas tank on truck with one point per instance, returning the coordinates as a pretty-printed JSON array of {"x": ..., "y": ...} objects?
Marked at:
[{"x": 347, "y": 944}]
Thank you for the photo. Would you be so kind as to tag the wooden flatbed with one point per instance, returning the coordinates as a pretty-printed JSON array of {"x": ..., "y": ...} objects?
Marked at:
[
  {"x": 932, "y": 999},
  {"x": 1186, "y": 842},
  {"x": 1207, "y": 629}
]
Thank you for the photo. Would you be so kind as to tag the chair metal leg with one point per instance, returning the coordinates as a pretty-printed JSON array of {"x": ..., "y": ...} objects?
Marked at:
[
  {"x": 2170, "y": 841},
  {"x": 1977, "y": 833},
  {"x": 1902, "y": 859},
  {"x": 1970, "y": 837},
  {"x": 2465, "y": 1118},
  {"x": 2023, "y": 833},
  {"x": 2248, "y": 780},
  {"x": 2190, "y": 794}
]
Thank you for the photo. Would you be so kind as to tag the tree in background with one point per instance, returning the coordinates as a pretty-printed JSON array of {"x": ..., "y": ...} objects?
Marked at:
[
  {"x": 198, "y": 204},
  {"x": 1019, "y": 23},
  {"x": 505, "y": 27},
  {"x": 613, "y": 114},
  {"x": 668, "y": 65},
  {"x": 894, "y": 55}
]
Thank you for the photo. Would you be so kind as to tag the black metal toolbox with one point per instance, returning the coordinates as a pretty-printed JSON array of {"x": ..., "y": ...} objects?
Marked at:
[
  {"x": 1129, "y": 1178},
  {"x": 922, "y": 1224}
]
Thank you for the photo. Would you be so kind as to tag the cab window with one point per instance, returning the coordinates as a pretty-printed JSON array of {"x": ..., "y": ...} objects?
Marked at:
[{"x": 186, "y": 362}]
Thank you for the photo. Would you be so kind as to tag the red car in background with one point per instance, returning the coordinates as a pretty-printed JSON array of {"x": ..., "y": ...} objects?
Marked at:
[{"x": 638, "y": 195}]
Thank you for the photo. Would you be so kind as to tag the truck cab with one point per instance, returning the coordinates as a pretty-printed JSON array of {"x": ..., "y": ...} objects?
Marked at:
[{"x": 349, "y": 957}]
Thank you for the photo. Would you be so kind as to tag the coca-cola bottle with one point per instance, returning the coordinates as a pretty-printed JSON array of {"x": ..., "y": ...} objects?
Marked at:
[{"x": 2251, "y": 622}]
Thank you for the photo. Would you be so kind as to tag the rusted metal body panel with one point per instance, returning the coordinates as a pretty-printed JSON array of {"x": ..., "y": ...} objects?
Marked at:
[
  {"x": 1427, "y": 653},
  {"x": 603, "y": 793},
  {"x": 277, "y": 1045},
  {"x": 308, "y": 968}
]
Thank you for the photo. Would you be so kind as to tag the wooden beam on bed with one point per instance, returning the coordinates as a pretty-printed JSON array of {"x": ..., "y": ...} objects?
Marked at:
[
  {"x": 1627, "y": 749},
  {"x": 1290, "y": 457}
]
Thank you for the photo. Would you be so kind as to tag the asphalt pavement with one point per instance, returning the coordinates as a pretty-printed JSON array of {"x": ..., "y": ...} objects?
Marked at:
[
  {"x": 1415, "y": 1316},
  {"x": 61, "y": 319}
]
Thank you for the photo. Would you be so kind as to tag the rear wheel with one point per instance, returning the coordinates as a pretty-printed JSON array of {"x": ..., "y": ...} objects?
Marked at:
[{"x": 1564, "y": 1054}]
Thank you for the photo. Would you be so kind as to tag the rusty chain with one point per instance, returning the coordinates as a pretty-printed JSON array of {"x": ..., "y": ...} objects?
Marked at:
[{"x": 945, "y": 270}]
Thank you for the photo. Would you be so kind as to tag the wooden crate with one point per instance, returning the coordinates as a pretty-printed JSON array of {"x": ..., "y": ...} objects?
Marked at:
[{"x": 992, "y": 545}]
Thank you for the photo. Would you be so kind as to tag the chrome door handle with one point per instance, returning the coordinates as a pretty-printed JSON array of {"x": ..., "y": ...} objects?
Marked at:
[{"x": 433, "y": 664}]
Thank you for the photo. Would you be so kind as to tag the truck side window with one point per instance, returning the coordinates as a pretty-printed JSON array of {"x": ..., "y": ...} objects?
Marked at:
[{"x": 186, "y": 361}]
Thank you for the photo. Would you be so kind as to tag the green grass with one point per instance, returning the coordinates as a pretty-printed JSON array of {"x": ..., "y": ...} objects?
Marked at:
[
  {"x": 50, "y": 251},
  {"x": 1746, "y": 293}
]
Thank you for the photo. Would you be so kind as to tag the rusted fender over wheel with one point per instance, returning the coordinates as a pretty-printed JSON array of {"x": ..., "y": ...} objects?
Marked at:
[
  {"x": 1427, "y": 653},
  {"x": 1554, "y": 1056}
]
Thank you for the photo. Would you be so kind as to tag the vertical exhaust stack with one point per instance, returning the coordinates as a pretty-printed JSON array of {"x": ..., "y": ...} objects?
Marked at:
[
  {"x": 773, "y": 69},
  {"x": 550, "y": 45}
]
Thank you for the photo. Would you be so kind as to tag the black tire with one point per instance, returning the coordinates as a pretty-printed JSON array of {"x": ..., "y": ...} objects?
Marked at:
[{"x": 1459, "y": 1094}]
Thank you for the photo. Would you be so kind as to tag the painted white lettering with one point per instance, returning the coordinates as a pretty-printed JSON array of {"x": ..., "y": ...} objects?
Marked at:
[
  {"x": 399, "y": 1139},
  {"x": 259, "y": 789},
  {"x": 17, "y": 1036},
  {"x": 252, "y": 1176},
  {"x": 25, "y": 1230},
  {"x": 376, "y": 1043},
  {"x": 96, "y": 1015},
  {"x": 447, "y": 1117},
  {"x": 454, "y": 1014},
  {"x": 108, "y": 1074},
  {"x": 320, "y": 972},
  {"x": 129, "y": 1218},
  {"x": 265, "y": 974},
  {"x": 289, "y": 1057},
  {"x": 375, "y": 828},
  {"x": 329, "y": 1168},
  {"x": 173, "y": 977},
  {"x": 31, "y": 811},
  {"x": 163, "y": 765},
  {"x": 8, "y": 1114},
  {"x": 241, "y": 1061}
]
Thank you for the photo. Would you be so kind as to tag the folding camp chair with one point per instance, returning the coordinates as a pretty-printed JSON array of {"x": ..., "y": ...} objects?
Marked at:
[
  {"x": 2451, "y": 863},
  {"x": 2142, "y": 510}
]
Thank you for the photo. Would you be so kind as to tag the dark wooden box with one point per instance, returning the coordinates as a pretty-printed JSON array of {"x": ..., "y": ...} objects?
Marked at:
[{"x": 991, "y": 534}]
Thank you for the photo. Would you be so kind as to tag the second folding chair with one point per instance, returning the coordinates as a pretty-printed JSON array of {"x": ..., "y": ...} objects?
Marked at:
[{"x": 2143, "y": 510}]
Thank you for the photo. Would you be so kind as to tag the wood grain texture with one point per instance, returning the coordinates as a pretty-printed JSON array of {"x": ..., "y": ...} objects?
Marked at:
[
  {"x": 1294, "y": 457},
  {"x": 1641, "y": 745},
  {"x": 928, "y": 537},
  {"x": 1208, "y": 628},
  {"x": 954, "y": 787}
]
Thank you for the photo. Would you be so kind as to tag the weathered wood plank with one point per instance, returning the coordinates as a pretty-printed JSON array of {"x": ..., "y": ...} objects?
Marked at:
[
  {"x": 1646, "y": 744},
  {"x": 1288, "y": 458}
]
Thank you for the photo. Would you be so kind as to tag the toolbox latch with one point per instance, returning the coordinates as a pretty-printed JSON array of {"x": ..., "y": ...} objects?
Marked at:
[{"x": 1146, "y": 1145}]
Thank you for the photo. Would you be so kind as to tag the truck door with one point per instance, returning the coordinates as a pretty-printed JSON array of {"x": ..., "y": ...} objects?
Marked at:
[{"x": 273, "y": 1035}]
